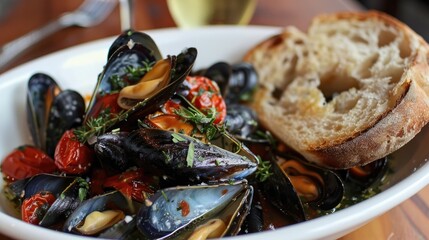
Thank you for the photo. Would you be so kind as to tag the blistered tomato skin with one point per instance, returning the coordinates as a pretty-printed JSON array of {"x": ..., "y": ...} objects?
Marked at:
[
  {"x": 205, "y": 94},
  {"x": 71, "y": 156},
  {"x": 132, "y": 184},
  {"x": 34, "y": 208},
  {"x": 26, "y": 161}
]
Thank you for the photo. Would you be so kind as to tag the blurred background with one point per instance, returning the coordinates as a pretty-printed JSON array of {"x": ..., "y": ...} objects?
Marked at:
[
  {"x": 415, "y": 13},
  {"x": 18, "y": 17}
]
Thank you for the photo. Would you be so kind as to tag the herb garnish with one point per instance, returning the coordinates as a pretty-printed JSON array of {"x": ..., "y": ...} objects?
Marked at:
[
  {"x": 190, "y": 155},
  {"x": 204, "y": 123},
  {"x": 164, "y": 195},
  {"x": 263, "y": 172},
  {"x": 177, "y": 138},
  {"x": 99, "y": 125},
  {"x": 132, "y": 75},
  {"x": 83, "y": 189}
]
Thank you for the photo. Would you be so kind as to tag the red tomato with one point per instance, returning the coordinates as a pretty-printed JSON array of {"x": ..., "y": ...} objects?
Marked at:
[
  {"x": 98, "y": 177},
  {"x": 71, "y": 156},
  {"x": 170, "y": 107},
  {"x": 205, "y": 94},
  {"x": 26, "y": 161},
  {"x": 108, "y": 101},
  {"x": 132, "y": 183},
  {"x": 34, "y": 208}
]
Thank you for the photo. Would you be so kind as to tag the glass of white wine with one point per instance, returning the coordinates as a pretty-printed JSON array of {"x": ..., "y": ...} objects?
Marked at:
[{"x": 195, "y": 13}]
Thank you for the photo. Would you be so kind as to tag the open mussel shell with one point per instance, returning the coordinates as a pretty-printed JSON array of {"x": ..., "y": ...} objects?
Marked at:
[
  {"x": 114, "y": 76},
  {"x": 186, "y": 158},
  {"x": 280, "y": 192},
  {"x": 41, "y": 92},
  {"x": 320, "y": 188},
  {"x": 128, "y": 120},
  {"x": 66, "y": 203},
  {"x": 236, "y": 81},
  {"x": 219, "y": 72},
  {"x": 26, "y": 188},
  {"x": 51, "y": 112},
  {"x": 176, "y": 212},
  {"x": 360, "y": 178},
  {"x": 181, "y": 67},
  {"x": 241, "y": 120},
  {"x": 243, "y": 80},
  {"x": 123, "y": 230},
  {"x": 109, "y": 201},
  {"x": 137, "y": 37}
]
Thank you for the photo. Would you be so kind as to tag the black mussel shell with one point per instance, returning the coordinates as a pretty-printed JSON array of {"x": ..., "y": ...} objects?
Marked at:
[
  {"x": 359, "y": 178},
  {"x": 186, "y": 157},
  {"x": 182, "y": 67},
  {"x": 241, "y": 120},
  {"x": 41, "y": 92},
  {"x": 66, "y": 203},
  {"x": 54, "y": 184},
  {"x": 220, "y": 72},
  {"x": 51, "y": 112},
  {"x": 123, "y": 58},
  {"x": 137, "y": 37},
  {"x": 320, "y": 188},
  {"x": 236, "y": 82},
  {"x": 110, "y": 200},
  {"x": 110, "y": 150},
  {"x": 279, "y": 190},
  {"x": 67, "y": 112},
  {"x": 243, "y": 80}
]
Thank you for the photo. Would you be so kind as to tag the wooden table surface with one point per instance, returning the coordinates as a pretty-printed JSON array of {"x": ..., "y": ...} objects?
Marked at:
[{"x": 409, "y": 220}]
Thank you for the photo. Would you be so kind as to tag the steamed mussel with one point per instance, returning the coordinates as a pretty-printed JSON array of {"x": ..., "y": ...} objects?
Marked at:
[
  {"x": 175, "y": 154},
  {"x": 51, "y": 111}
]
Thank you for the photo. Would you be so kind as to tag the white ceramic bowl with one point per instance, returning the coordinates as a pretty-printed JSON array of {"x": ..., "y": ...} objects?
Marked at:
[{"x": 77, "y": 68}]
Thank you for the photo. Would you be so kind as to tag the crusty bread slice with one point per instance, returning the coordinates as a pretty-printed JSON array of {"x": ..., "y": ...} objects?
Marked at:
[{"x": 350, "y": 91}]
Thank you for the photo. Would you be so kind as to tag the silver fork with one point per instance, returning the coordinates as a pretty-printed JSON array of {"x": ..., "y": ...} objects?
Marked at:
[{"x": 88, "y": 14}]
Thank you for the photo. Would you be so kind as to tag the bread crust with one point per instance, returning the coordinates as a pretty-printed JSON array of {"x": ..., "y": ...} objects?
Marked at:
[{"x": 391, "y": 130}]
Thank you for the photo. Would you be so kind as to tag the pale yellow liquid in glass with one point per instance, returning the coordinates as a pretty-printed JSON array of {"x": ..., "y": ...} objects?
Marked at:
[{"x": 194, "y": 13}]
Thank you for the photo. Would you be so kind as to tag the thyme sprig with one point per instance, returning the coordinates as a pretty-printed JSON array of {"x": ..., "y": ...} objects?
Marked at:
[
  {"x": 103, "y": 123},
  {"x": 203, "y": 122},
  {"x": 264, "y": 170},
  {"x": 132, "y": 75}
]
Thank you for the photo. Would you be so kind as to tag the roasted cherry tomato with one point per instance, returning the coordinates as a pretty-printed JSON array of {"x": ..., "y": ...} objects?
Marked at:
[
  {"x": 71, "y": 156},
  {"x": 34, "y": 208},
  {"x": 132, "y": 183},
  {"x": 26, "y": 161},
  {"x": 205, "y": 94},
  {"x": 170, "y": 122},
  {"x": 105, "y": 103},
  {"x": 98, "y": 176},
  {"x": 170, "y": 106}
]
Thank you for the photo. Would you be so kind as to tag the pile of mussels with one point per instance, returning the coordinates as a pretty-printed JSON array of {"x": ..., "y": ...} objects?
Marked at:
[{"x": 212, "y": 180}]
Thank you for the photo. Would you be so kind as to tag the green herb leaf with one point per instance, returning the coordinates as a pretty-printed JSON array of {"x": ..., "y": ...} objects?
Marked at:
[
  {"x": 177, "y": 138},
  {"x": 164, "y": 195},
  {"x": 166, "y": 156},
  {"x": 263, "y": 172},
  {"x": 190, "y": 155}
]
